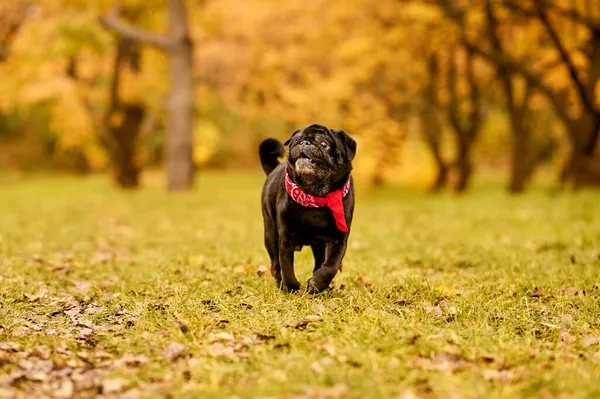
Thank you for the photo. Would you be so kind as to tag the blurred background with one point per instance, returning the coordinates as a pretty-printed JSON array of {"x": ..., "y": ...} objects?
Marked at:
[{"x": 434, "y": 91}]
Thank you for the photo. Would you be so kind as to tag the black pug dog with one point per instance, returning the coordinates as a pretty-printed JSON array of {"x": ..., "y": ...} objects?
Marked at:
[{"x": 308, "y": 200}]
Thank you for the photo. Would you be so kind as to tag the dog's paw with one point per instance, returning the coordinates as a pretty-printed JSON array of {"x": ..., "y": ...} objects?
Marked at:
[
  {"x": 291, "y": 287},
  {"x": 313, "y": 288}
]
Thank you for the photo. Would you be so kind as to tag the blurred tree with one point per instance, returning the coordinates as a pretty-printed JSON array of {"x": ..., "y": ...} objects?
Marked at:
[
  {"x": 570, "y": 86},
  {"x": 466, "y": 118},
  {"x": 522, "y": 157},
  {"x": 119, "y": 125},
  {"x": 295, "y": 63},
  {"x": 178, "y": 46},
  {"x": 431, "y": 120},
  {"x": 12, "y": 16}
]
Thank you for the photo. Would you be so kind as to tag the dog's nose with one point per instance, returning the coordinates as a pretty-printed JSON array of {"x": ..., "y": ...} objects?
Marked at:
[{"x": 305, "y": 142}]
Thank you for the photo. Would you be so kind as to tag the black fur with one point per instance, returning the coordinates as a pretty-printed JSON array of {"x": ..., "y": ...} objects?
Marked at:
[
  {"x": 319, "y": 161},
  {"x": 269, "y": 151}
]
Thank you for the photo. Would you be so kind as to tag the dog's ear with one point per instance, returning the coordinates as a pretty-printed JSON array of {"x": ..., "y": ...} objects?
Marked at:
[
  {"x": 348, "y": 142},
  {"x": 290, "y": 139}
]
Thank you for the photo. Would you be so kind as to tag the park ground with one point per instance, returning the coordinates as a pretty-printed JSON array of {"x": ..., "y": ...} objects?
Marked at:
[{"x": 149, "y": 294}]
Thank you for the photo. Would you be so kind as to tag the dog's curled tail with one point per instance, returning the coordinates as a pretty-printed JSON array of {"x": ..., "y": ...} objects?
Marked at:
[{"x": 268, "y": 151}]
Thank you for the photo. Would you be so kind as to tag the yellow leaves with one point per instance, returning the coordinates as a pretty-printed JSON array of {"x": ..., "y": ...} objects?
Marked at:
[
  {"x": 354, "y": 47},
  {"x": 538, "y": 101},
  {"x": 597, "y": 93},
  {"x": 422, "y": 12},
  {"x": 70, "y": 117},
  {"x": 206, "y": 138},
  {"x": 558, "y": 78},
  {"x": 580, "y": 60}
]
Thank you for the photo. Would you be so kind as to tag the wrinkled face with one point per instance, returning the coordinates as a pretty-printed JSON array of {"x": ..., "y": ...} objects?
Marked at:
[{"x": 318, "y": 152}]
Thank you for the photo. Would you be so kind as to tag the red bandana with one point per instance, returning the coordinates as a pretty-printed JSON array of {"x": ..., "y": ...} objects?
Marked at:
[{"x": 333, "y": 200}]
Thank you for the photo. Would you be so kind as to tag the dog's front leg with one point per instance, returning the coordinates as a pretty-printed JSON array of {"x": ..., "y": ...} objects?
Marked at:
[
  {"x": 334, "y": 253},
  {"x": 289, "y": 283}
]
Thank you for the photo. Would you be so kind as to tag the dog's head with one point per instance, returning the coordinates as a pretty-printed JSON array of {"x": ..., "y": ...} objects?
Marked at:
[{"x": 317, "y": 152}]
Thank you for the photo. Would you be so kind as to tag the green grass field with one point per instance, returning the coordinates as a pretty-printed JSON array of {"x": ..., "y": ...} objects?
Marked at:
[{"x": 146, "y": 294}]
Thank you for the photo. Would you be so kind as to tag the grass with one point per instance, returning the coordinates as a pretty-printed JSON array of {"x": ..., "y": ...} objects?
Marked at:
[{"x": 481, "y": 296}]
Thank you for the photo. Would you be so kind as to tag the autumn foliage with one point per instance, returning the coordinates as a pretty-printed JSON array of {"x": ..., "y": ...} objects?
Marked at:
[{"x": 433, "y": 89}]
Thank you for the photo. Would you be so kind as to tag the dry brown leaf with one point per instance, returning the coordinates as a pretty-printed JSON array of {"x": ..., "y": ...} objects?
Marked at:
[
  {"x": 37, "y": 296},
  {"x": 436, "y": 310},
  {"x": 317, "y": 367},
  {"x": 407, "y": 395},
  {"x": 327, "y": 347},
  {"x": 217, "y": 349},
  {"x": 442, "y": 362},
  {"x": 567, "y": 337},
  {"x": 590, "y": 340},
  {"x": 306, "y": 321},
  {"x": 220, "y": 337},
  {"x": 336, "y": 391},
  {"x": 131, "y": 394},
  {"x": 66, "y": 389},
  {"x": 503, "y": 376},
  {"x": 93, "y": 309},
  {"x": 113, "y": 385},
  {"x": 173, "y": 351},
  {"x": 362, "y": 281},
  {"x": 9, "y": 347},
  {"x": 130, "y": 360}
]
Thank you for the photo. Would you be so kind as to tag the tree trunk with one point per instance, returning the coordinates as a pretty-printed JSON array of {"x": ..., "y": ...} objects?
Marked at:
[
  {"x": 180, "y": 105},
  {"x": 431, "y": 123},
  {"x": 180, "y": 167},
  {"x": 521, "y": 167},
  {"x": 125, "y": 170},
  {"x": 523, "y": 159},
  {"x": 179, "y": 148},
  {"x": 583, "y": 166},
  {"x": 463, "y": 167},
  {"x": 432, "y": 127}
]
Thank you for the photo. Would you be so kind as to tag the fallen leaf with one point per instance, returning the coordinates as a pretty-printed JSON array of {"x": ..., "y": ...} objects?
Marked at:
[
  {"x": 65, "y": 390},
  {"x": 305, "y": 321},
  {"x": 442, "y": 362},
  {"x": 37, "y": 296},
  {"x": 317, "y": 368},
  {"x": 84, "y": 332},
  {"x": 503, "y": 376},
  {"x": 132, "y": 360},
  {"x": 217, "y": 349},
  {"x": 436, "y": 310},
  {"x": 93, "y": 309},
  {"x": 327, "y": 347},
  {"x": 9, "y": 347},
  {"x": 113, "y": 385},
  {"x": 102, "y": 257},
  {"x": 362, "y": 281},
  {"x": 222, "y": 336},
  {"x": 566, "y": 337},
  {"x": 131, "y": 394},
  {"x": 238, "y": 270},
  {"x": 590, "y": 340},
  {"x": 318, "y": 309},
  {"x": 407, "y": 395},
  {"x": 173, "y": 351},
  {"x": 336, "y": 391}
]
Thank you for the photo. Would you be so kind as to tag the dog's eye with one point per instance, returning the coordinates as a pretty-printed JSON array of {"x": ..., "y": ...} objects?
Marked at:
[{"x": 325, "y": 145}]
